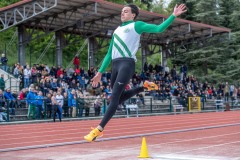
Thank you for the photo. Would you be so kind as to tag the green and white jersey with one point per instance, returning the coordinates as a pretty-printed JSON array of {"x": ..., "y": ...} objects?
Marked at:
[
  {"x": 126, "y": 38},
  {"x": 125, "y": 42}
]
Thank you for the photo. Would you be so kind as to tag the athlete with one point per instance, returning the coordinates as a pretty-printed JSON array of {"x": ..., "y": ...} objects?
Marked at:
[{"x": 122, "y": 52}]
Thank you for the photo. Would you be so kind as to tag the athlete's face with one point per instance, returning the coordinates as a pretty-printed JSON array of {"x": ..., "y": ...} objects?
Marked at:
[{"x": 127, "y": 14}]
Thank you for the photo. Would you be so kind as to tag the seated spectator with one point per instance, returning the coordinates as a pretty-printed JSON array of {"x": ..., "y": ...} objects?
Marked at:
[
  {"x": 21, "y": 99},
  {"x": 3, "y": 114},
  {"x": 10, "y": 101},
  {"x": 54, "y": 85}
]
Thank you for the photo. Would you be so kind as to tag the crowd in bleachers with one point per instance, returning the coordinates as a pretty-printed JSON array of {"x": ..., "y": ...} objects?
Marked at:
[{"x": 64, "y": 89}]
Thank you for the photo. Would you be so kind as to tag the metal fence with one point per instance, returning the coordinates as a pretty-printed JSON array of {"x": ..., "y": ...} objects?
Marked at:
[{"x": 89, "y": 107}]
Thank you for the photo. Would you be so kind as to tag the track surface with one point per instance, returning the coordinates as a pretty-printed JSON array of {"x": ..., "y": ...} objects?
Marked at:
[{"x": 208, "y": 136}]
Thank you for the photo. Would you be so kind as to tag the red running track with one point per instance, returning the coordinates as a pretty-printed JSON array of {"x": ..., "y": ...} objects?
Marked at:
[{"x": 175, "y": 132}]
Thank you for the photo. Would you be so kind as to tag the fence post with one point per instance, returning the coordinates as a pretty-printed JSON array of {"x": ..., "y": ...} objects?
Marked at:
[
  {"x": 104, "y": 106},
  {"x": 45, "y": 109},
  {"x": 151, "y": 105},
  {"x": 170, "y": 106},
  {"x": 203, "y": 104},
  {"x": 77, "y": 107},
  {"x": 8, "y": 111}
]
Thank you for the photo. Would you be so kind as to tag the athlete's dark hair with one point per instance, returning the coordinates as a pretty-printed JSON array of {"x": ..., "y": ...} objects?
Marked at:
[{"x": 134, "y": 9}]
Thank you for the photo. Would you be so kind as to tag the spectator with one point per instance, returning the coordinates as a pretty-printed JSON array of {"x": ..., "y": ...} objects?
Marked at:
[
  {"x": 145, "y": 68},
  {"x": 2, "y": 82},
  {"x": 74, "y": 106},
  {"x": 60, "y": 101},
  {"x": 31, "y": 101},
  {"x": 27, "y": 75},
  {"x": 16, "y": 71},
  {"x": 34, "y": 73},
  {"x": 21, "y": 99},
  {"x": 55, "y": 107},
  {"x": 65, "y": 105},
  {"x": 53, "y": 71},
  {"x": 226, "y": 92},
  {"x": 4, "y": 61},
  {"x": 59, "y": 72},
  {"x": 97, "y": 105},
  {"x": 3, "y": 114},
  {"x": 76, "y": 62},
  {"x": 71, "y": 94},
  {"x": 81, "y": 103},
  {"x": 54, "y": 85},
  {"x": 10, "y": 101},
  {"x": 77, "y": 71},
  {"x": 49, "y": 105},
  {"x": 39, "y": 105}
]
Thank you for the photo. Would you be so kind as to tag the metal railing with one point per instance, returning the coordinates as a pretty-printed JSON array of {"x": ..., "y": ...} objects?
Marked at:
[{"x": 18, "y": 110}]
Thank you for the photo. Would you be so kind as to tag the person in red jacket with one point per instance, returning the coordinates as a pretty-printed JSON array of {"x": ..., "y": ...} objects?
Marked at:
[
  {"x": 76, "y": 62},
  {"x": 59, "y": 72}
]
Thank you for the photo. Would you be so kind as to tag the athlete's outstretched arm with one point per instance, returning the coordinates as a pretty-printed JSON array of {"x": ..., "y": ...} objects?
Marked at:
[
  {"x": 107, "y": 59},
  {"x": 141, "y": 27}
]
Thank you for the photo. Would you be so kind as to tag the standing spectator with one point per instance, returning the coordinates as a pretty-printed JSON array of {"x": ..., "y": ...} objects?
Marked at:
[
  {"x": 150, "y": 67},
  {"x": 27, "y": 75},
  {"x": 65, "y": 105},
  {"x": 60, "y": 101},
  {"x": 81, "y": 103},
  {"x": 74, "y": 106},
  {"x": 55, "y": 107},
  {"x": 16, "y": 71},
  {"x": 232, "y": 87},
  {"x": 2, "y": 82},
  {"x": 76, "y": 62},
  {"x": 31, "y": 101},
  {"x": 78, "y": 71},
  {"x": 4, "y": 61},
  {"x": 71, "y": 94},
  {"x": 59, "y": 71},
  {"x": 39, "y": 105},
  {"x": 53, "y": 71},
  {"x": 34, "y": 73},
  {"x": 91, "y": 72},
  {"x": 145, "y": 68},
  {"x": 226, "y": 92},
  {"x": 181, "y": 72},
  {"x": 97, "y": 105},
  {"x": 49, "y": 105},
  {"x": 86, "y": 104},
  {"x": 10, "y": 101}
]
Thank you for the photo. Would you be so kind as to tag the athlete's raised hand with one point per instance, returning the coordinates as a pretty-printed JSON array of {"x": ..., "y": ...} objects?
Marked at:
[
  {"x": 96, "y": 79},
  {"x": 178, "y": 10}
]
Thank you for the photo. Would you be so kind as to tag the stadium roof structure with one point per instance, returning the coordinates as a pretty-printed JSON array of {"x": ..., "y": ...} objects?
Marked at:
[
  {"x": 93, "y": 17},
  {"x": 96, "y": 18}
]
